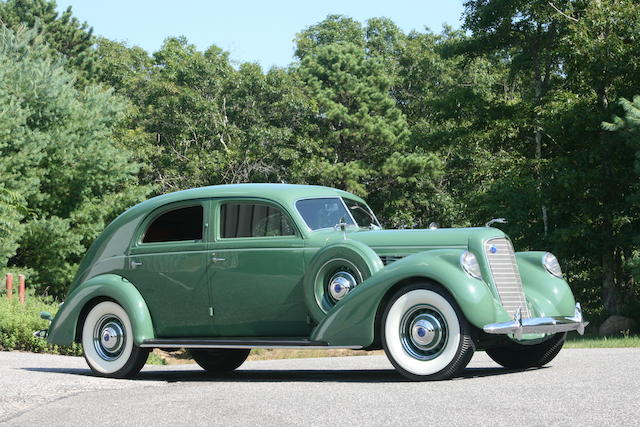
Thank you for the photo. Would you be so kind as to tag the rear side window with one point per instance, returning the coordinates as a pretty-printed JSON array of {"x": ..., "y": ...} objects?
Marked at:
[
  {"x": 176, "y": 225},
  {"x": 253, "y": 220}
]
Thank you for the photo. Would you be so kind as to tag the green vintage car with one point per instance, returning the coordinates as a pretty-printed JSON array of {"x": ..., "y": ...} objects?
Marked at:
[{"x": 223, "y": 269}]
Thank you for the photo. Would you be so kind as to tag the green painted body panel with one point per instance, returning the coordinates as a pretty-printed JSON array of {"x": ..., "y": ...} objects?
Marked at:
[
  {"x": 352, "y": 319},
  {"x": 257, "y": 291},
  {"x": 108, "y": 286},
  {"x": 254, "y": 287},
  {"x": 548, "y": 295},
  {"x": 173, "y": 278}
]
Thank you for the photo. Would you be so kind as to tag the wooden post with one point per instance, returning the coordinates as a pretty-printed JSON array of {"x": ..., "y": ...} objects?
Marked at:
[
  {"x": 9, "y": 283},
  {"x": 21, "y": 288}
]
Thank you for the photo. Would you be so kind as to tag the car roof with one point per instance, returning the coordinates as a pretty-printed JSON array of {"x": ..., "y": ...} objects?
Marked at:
[
  {"x": 282, "y": 193},
  {"x": 285, "y": 194}
]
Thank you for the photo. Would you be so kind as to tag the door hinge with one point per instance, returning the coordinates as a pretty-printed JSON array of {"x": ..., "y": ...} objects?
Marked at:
[{"x": 211, "y": 311}]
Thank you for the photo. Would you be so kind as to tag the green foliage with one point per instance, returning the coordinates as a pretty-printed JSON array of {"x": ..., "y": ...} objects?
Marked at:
[
  {"x": 57, "y": 153},
  {"x": 500, "y": 119},
  {"x": 12, "y": 210},
  {"x": 18, "y": 322},
  {"x": 63, "y": 34}
]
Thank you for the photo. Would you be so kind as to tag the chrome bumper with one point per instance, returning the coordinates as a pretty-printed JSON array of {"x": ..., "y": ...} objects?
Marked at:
[{"x": 539, "y": 325}]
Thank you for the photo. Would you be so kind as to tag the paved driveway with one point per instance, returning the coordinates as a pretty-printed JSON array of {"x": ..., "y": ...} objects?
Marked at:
[{"x": 581, "y": 386}]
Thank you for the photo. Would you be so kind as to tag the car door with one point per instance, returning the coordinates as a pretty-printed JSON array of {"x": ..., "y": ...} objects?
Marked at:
[
  {"x": 257, "y": 260},
  {"x": 168, "y": 263}
]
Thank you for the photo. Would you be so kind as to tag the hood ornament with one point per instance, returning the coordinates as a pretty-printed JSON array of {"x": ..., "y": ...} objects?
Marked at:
[{"x": 496, "y": 220}]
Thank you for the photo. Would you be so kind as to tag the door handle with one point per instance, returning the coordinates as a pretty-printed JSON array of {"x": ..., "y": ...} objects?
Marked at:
[
  {"x": 135, "y": 264},
  {"x": 214, "y": 258}
]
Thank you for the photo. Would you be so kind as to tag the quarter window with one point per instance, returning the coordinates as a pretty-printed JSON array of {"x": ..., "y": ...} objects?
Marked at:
[
  {"x": 176, "y": 225},
  {"x": 253, "y": 220}
]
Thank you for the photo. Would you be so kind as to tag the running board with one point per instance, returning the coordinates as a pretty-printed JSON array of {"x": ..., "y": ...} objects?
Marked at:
[{"x": 239, "y": 342}]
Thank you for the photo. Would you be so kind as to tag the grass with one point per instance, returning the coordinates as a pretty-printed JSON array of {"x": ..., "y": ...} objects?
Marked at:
[{"x": 626, "y": 340}]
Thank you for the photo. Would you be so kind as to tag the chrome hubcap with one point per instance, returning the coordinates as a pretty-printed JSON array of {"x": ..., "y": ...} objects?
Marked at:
[
  {"x": 340, "y": 285},
  {"x": 423, "y": 332},
  {"x": 109, "y": 337}
]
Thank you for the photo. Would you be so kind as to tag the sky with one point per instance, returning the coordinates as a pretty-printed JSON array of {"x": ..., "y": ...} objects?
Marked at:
[{"x": 252, "y": 31}]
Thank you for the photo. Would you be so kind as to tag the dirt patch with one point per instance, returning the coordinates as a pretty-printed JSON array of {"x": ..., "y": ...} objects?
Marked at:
[{"x": 182, "y": 356}]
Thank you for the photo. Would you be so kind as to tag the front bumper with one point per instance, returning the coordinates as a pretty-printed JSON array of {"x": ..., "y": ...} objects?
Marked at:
[{"x": 539, "y": 325}]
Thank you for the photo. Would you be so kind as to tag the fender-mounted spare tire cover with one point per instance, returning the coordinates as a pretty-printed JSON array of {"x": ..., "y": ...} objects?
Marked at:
[{"x": 350, "y": 256}]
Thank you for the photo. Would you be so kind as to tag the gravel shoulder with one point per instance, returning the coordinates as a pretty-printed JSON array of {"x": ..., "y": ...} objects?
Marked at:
[{"x": 594, "y": 386}]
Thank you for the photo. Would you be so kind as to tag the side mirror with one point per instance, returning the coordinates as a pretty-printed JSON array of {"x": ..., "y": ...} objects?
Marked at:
[{"x": 46, "y": 316}]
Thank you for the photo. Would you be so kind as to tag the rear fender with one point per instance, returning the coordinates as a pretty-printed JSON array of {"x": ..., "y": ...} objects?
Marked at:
[
  {"x": 352, "y": 320},
  {"x": 106, "y": 287}
]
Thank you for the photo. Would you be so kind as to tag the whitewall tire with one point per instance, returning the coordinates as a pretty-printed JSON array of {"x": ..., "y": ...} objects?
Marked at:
[
  {"x": 424, "y": 333},
  {"x": 107, "y": 342}
]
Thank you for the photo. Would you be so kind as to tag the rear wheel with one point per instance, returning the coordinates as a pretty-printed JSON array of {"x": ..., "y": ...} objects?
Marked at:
[
  {"x": 521, "y": 356},
  {"x": 107, "y": 342},
  {"x": 219, "y": 360},
  {"x": 424, "y": 333}
]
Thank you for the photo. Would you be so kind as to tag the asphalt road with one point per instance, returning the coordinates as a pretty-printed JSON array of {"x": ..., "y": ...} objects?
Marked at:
[{"x": 590, "y": 386}]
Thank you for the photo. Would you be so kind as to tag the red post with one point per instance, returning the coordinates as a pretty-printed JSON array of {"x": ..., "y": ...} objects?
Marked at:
[
  {"x": 21, "y": 288},
  {"x": 9, "y": 283}
]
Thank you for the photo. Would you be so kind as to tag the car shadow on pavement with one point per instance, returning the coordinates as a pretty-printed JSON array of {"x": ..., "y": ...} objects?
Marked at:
[{"x": 267, "y": 375}]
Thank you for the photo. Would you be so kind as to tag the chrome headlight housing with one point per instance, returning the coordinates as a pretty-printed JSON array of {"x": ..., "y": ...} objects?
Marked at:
[
  {"x": 469, "y": 264},
  {"x": 551, "y": 264}
]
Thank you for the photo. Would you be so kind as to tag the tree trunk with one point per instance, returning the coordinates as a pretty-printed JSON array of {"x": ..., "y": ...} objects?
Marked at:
[{"x": 612, "y": 295}]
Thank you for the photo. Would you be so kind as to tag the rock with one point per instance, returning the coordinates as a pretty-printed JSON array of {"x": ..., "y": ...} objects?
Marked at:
[{"x": 615, "y": 324}]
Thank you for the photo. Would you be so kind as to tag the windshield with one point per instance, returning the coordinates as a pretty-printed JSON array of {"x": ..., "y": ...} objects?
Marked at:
[
  {"x": 361, "y": 213},
  {"x": 323, "y": 213},
  {"x": 327, "y": 212}
]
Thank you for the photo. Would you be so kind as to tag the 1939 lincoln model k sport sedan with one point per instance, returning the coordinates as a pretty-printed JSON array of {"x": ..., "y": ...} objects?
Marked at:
[{"x": 223, "y": 269}]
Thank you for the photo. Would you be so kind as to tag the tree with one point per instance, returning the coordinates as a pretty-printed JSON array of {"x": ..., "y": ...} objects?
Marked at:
[
  {"x": 568, "y": 60},
  {"x": 56, "y": 146},
  {"x": 63, "y": 33}
]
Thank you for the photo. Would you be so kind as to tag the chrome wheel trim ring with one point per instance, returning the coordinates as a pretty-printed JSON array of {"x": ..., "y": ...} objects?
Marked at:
[
  {"x": 109, "y": 337},
  {"x": 423, "y": 332}
]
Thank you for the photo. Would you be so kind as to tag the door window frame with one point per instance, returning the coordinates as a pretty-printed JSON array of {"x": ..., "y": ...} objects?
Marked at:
[
  {"x": 217, "y": 228},
  {"x": 138, "y": 246}
]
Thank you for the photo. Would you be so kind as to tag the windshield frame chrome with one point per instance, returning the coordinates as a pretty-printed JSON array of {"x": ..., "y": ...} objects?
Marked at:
[{"x": 355, "y": 223}]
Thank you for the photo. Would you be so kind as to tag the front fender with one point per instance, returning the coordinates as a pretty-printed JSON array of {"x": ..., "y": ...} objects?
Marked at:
[
  {"x": 352, "y": 320},
  {"x": 108, "y": 286},
  {"x": 549, "y": 296}
]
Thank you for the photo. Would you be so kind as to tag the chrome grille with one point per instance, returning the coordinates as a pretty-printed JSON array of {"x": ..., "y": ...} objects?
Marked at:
[{"x": 504, "y": 269}]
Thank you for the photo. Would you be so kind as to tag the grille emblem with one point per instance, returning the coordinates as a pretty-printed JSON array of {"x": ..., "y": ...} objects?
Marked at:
[{"x": 493, "y": 249}]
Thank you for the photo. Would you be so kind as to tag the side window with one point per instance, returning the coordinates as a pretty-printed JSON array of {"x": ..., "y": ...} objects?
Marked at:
[
  {"x": 176, "y": 225},
  {"x": 253, "y": 220}
]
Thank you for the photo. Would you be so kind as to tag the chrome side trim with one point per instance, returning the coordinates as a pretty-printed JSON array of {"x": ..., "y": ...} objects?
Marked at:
[
  {"x": 539, "y": 325},
  {"x": 300, "y": 347},
  {"x": 238, "y": 343}
]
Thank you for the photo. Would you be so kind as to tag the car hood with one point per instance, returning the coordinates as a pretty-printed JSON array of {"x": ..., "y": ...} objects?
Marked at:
[{"x": 404, "y": 242}]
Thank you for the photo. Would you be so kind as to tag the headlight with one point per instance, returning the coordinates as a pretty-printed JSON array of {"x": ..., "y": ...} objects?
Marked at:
[
  {"x": 470, "y": 265},
  {"x": 552, "y": 265}
]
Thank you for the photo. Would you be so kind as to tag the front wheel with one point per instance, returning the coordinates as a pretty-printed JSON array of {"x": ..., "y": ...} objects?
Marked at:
[
  {"x": 107, "y": 342},
  {"x": 522, "y": 356},
  {"x": 424, "y": 333},
  {"x": 219, "y": 360}
]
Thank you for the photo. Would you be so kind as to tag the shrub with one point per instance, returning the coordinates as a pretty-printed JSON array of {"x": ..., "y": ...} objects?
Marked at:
[{"x": 18, "y": 322}]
